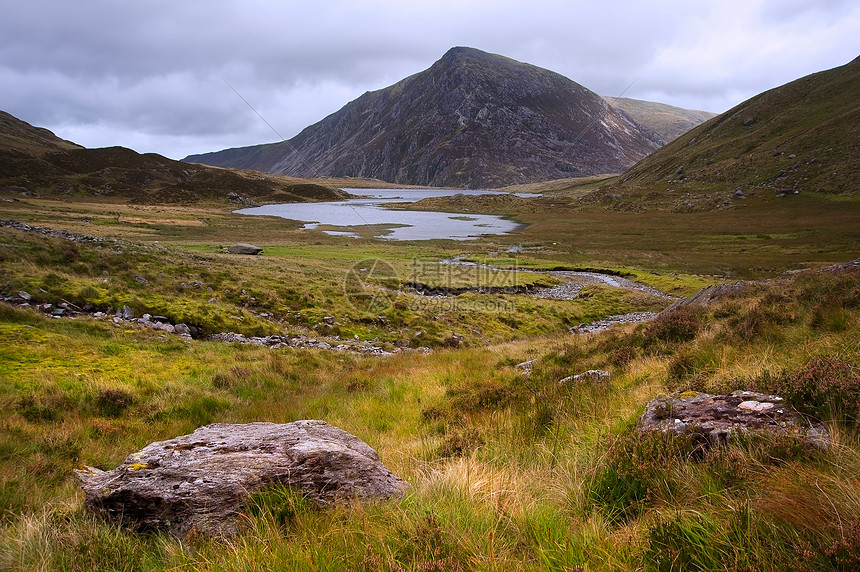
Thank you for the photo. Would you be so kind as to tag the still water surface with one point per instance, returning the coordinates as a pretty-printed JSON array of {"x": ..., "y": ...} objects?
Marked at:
[{"x": 369, "y": 211}]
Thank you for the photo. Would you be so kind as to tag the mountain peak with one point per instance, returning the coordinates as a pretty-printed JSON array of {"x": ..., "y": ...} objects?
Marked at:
[
  {"x": 473, "y": 119},
  {"x": 464, "y": 51},
  {"x": 460, "y": 54}
]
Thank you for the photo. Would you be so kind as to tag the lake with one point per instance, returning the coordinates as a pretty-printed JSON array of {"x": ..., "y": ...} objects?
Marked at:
[{"x": 369, "y": 211}]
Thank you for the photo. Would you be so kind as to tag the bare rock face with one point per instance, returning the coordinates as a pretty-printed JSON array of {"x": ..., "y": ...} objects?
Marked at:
[
  {"x": 201, "y": 481},
  {"x": 244, "y": 248},
  {"x": 718, "y": 417}
]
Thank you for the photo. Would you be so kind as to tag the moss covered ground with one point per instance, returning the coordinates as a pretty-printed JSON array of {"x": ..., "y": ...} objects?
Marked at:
[{"x": 507, "y": 472}]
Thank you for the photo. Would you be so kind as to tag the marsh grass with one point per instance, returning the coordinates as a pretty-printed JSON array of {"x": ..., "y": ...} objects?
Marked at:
[{"x": 507, "y": 472}]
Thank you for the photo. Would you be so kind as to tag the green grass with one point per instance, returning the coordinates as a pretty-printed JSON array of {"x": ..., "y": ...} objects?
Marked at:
[
  {"x": 291, "y": 288},
  {"x": 506, "y": 472}
]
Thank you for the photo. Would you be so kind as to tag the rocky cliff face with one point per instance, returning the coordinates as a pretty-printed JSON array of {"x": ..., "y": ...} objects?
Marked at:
[{"x": 472, "y": 119}]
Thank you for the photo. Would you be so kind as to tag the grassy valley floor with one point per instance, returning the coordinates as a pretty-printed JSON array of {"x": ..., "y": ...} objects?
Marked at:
[{"x": 507, "y": 472}]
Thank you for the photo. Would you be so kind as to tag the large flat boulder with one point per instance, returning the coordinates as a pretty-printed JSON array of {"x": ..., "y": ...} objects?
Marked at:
[
  {"x": 244, "y": 248},
  {"x": 717, "y": 418},
  {"x": 201, "y": 481}
]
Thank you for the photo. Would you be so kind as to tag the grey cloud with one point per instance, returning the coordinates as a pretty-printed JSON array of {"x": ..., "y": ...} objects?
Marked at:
[{"x": 152, "y": 73}]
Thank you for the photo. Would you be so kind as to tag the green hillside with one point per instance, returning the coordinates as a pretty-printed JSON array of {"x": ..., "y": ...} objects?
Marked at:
[{"x": 802, "y": 137}]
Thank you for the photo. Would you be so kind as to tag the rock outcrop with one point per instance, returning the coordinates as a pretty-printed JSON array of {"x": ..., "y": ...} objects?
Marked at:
[
  {"x": 201, "y": 481},
  {"x": 237, "y": 199},
  {"x": 526, "y": 367},
  {"x": 592, "y": 375},
  {"x": 716, "y": 418},
  {"x": 705, "y": 297}
]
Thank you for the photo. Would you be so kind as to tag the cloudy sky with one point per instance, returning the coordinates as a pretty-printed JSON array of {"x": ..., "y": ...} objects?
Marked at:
[{"x": 156, "y": 75}]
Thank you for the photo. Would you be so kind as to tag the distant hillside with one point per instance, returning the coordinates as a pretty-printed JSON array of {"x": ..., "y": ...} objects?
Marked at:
[
  {"x": 472, "y": 119},
  {"x": 33, "y": 162},
  {"x": 669, "y": 121},
  {"x": 17, "y": 135},
  {"x": 802, "y": 137}
]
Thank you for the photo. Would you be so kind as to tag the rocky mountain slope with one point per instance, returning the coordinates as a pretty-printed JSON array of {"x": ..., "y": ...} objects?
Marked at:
[
  {"x": 34, "y": 162},
  {"x": 802, "y": 137},
  {"x": 472, "y": 119},
  {"x": 668, "y": 121}
]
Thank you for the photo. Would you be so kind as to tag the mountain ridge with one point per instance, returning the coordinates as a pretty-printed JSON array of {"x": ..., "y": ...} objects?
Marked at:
[
  {"x": 669, "y": 121},
  {"x": 442, "y": 127},
  {"x": 36, "y": 163}
]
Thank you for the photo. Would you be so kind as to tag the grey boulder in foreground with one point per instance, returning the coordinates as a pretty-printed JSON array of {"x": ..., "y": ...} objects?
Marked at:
[
  {"x": 201, "y": 481},
  {"x": 718, "y": 417}
]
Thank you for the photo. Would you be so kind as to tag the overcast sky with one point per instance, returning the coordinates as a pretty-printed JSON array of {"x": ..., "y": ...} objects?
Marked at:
[{"x": 153, "y": 75}]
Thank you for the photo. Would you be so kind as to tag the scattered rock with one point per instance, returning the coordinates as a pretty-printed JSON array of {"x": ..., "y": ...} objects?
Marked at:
[
  {"x": 717, "y": 417},
  {"x": 748, "y": 121},
  {"x": 201, "y": 481},
  {"x": 575, "y": 280},
  {"x": 237, "y": 199},
  {"x": 301, "y": 342},
  {"x": 49, "y": 232},
  {"x": 842, "y": 267},
  {"x": 526, "y": 367},
  {"x": 455, "y": 340},
  {"x": 600, "y": 325},
  {"x": 244, "y": 248},
  {"x": 594, "y": 375}
]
